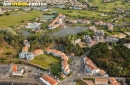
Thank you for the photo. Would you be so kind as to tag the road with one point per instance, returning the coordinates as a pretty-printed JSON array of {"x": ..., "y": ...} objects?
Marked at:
[{"x": 74, "y": 75}]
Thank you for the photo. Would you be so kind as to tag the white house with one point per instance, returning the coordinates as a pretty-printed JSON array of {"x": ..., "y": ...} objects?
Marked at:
[{"x": 90, "y": 66}]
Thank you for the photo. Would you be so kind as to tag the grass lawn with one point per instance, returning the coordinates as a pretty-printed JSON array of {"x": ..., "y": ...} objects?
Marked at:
[
  {"x": 109, "y": 6},
  {"x": 12, "y": 20},
  {"x": 49, "y": 62},
  {"x": 82, "y": 13}
]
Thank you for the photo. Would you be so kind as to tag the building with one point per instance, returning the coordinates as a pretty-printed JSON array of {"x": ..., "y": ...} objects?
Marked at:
[
  {"x": 96, "y": 38},
  {"x": 57, "y": 22},
  {"x": 73, "y": 21},
  {"x": 100, "y": 23},
  {"x": 77, "y": 40},
  {"x": 90, "y": 66},
  {"x": 87, "y": 39},
  {"x": 25, "y": 49},
  {"x": 100, "y": 33},
  {"x": 15, "y": 71},
  {"x": 29, "y": 56},
  {"x": 85, "y": 22},
  {"x": 25, "y": 54},
  {"x": 38, "y": 52},
  {"x": 110, "y": 27},
  {"x": 64, "y": 64},
  {"x": 111, "y": 39},
  {"x": 113, "y": 82},
  {"x": 103, "y": 73},
  {"x": 101, "y": 81},
  {"x": 26, "y": 43},
  {"x": 127, "y": 45},
  {"x": 92, "y": 69},
  {"x": 47, "y": 80}
]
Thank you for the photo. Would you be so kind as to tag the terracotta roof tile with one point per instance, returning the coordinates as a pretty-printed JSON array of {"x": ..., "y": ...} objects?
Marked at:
[{"x": 49, "y": 79}]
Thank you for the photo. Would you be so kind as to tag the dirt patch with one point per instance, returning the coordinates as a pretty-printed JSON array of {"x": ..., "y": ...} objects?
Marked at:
[{"x": 120, "y": 35}]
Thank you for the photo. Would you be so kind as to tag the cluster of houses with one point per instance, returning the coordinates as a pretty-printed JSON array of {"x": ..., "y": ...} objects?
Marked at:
[
  {"x": 109, "y": 25},
  {"x": 3, "y": 11},
  {"x": 99, "y": 34},
  {"x": 92, "y": 69},
  {"x": 34, "y": 26},
  {"x": 47, "y": 80},
  {"x": 87, "y": 22},
  {"x": 58, "y": 21},
  {"x": 25, "y": 54},
  {"x": 80, "y": 21},
  {"x": 64, "y": 64},
  {"x": 103, "y": 81}
]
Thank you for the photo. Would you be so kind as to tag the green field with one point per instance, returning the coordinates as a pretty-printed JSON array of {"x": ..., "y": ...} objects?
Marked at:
[
  {"x": 16, "y": 17},
  {"x": 81, "y": 13},
  {"x": 48, "y": 62},
  {"x": 106, "y": 7}
]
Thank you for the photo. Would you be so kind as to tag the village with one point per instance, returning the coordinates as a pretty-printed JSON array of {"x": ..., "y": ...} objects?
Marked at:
[{"x": 64, "y": 42}]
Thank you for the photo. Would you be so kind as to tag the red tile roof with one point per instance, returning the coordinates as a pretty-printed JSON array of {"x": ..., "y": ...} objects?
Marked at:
[
  {"x": 37, "y": 51},
  {"x": 49, "y": 79},
  {"x": 14, "y": 68},
  {"x": 25, "y": 49},
  {"x": 101, "y": 72}
]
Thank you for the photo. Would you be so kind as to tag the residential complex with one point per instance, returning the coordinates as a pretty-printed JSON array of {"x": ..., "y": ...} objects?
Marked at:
[
  {"x": 58, "y": 21},
  {"x": 47, "y": 80},
  {"x": 29, "y": 55},
  {"x": 92, "y": 69},
  {"x": 65, "y": 66}
]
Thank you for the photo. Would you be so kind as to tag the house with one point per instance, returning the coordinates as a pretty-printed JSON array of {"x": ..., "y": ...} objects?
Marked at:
[
  {"x": 100, "y": 23},
  {"x": 113, "y": 82},
  {"x": 73, "y": 21},
  {"x": 111, "y": 39},
  {"x": 15, "y": 71},
  {"x": 101, "y": 81},
  {"x": 103, "y": 73},
  {"x": 64, "y": 64},
  {"x": 85, "y": 22},
  {"x": 47, "y": 80},
  {"x": 127, "y": 45},
  {"x": 38, "y": 52},
  {"x": 77, "y": 40},
  {"x": 22, "y": 55},
  {"x": 90, "y": 66},
  {"x": 96, "y": 38},
  {"x": 87, "y": 39},
  {"x": 33, "y": 25},
  {"x": 25, "y": 49},
  {"x": 92, "y": 28},
  {"x": 57, "y": 22},
  {"x": 110, "y": 26},
  {"x": 100, "y": 33},
  {"x": 29, "y": 56},
  {"x": 26, "y": 43}
]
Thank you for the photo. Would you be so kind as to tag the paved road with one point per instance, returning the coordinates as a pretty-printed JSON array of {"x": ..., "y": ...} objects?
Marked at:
[
  {"x": 73, "y": 76},
  {"x": 81, "y": 70}
]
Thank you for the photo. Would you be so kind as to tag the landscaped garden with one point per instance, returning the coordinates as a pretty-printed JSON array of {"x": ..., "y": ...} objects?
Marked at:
[{"x": 48, "y": 62}]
